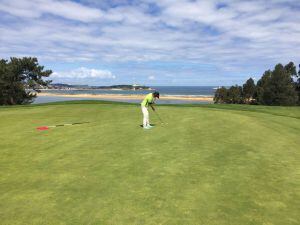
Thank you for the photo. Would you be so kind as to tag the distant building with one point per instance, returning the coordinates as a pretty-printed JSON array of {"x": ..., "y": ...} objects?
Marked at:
[{"x": 136, "y": 86}]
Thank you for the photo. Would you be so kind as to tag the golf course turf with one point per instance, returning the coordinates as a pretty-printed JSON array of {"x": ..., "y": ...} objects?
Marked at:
[{"x": 210, "y": 165}]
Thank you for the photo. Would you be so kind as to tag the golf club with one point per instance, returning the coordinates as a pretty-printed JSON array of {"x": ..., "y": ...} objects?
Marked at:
[{"x": 161, "y": 121}]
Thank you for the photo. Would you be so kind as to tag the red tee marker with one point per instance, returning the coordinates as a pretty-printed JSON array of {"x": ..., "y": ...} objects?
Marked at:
[{"x": 43, "y": 128}]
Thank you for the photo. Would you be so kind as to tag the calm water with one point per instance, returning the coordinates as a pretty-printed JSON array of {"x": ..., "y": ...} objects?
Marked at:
[{"x": 164, "y": 90}]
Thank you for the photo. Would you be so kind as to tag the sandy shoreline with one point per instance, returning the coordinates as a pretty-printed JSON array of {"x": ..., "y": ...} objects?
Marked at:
[{"x": 132, "y": 97}]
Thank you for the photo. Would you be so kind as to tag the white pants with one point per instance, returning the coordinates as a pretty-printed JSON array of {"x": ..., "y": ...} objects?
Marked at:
[{"x": 145, "y": 116}]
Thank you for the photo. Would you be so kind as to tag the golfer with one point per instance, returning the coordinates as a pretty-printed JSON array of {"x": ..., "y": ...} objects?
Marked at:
[{"x": 149, "y": 100}]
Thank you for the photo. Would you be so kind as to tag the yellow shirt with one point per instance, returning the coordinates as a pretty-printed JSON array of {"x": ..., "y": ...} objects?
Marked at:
[{"x": 148, "y": 100}]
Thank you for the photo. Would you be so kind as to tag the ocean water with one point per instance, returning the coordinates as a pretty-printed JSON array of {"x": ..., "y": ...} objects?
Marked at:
[{"x": 163, "y": 90}]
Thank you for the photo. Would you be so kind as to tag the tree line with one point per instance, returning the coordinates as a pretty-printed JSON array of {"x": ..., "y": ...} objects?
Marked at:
[
  {"x": 280, "y": 86},
  {"x": 20, "y": 80}
]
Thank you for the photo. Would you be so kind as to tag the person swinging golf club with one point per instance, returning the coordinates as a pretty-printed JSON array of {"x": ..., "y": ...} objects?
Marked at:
[{"x": 149, "y": 100}]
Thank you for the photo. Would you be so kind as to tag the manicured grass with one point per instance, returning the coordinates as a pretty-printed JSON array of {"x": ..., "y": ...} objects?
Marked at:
[{"x": 211, "y": 165}]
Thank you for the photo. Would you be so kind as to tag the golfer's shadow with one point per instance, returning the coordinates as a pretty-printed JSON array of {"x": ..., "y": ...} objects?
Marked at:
[{"x": 152, "y": 124}]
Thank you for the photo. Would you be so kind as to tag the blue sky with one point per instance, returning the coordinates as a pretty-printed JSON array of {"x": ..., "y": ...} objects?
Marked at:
[{"x": 165, "y": 42}]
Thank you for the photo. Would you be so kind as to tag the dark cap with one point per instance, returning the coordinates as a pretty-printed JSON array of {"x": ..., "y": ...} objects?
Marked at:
[{"x": 156, "y": 94}]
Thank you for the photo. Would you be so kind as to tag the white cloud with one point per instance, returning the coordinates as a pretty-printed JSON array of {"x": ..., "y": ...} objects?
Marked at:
[
  {"x": 37, "y": 8},
  {"x": 151, "y": 77},
  {"x": 241, "y": 35},
  {"x": 84, "y": 73}
]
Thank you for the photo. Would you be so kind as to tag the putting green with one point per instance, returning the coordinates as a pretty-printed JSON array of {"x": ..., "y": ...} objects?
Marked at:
[{"x": 211, "y": 165}]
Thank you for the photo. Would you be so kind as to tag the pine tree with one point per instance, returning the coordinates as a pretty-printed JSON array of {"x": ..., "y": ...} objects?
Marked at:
[
  {"x": 20, "y": 78},
  {"x": 235, "y": 95},
  {"x": 282, "y": 86},
  {"x": 277, "y": 87},
  {"x": 221, "y": 95},
  {"x": 249, "y": 89},
  {"x": 263, "y": 93}
]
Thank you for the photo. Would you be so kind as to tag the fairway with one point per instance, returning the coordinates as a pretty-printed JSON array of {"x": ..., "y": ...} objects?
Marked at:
[{"x": 210, "y": 165}]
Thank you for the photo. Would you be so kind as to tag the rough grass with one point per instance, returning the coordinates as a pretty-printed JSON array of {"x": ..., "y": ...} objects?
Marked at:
[{"x": 211, "y": 165}]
